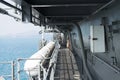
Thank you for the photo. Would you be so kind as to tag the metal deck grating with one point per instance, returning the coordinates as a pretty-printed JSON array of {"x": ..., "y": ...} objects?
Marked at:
[{"x": 66, "y": 68}]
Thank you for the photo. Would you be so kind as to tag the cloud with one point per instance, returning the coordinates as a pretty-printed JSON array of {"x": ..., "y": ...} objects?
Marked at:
[{"x": 10, "y": 28}]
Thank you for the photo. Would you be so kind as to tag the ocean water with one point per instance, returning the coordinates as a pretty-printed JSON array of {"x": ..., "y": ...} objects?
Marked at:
[
  {"x": 19, "y": 47},
  {"x": 13, "y": 48}
]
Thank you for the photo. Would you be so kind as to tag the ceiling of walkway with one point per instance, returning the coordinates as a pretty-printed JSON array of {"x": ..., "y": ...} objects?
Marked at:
[{"x": 67, "y": 10}]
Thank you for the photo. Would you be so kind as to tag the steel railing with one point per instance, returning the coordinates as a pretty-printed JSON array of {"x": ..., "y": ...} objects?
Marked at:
[
  {"x": 12, "y": 69},
  {"x": 49, "y": 72}
]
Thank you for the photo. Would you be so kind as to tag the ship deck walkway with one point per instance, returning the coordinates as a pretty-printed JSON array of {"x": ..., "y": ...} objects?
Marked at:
[{"x": 66, "y": 67}]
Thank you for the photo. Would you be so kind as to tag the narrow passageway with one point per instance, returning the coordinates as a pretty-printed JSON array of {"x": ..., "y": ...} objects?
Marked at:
[{"x": 66, "y": 68}]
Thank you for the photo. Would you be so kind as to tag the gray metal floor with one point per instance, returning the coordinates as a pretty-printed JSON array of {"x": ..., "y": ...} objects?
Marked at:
[{"x": 66, "y": 68}]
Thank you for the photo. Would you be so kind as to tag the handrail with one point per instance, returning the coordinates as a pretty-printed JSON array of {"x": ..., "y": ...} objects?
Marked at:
[
  {"x": 116, "y": 69},
  {"x": 49, "y": 72},
  {"x": 50, "y": 69},
  {"x": 12, "y": 69},
  {"x": 23, "y": 59}
]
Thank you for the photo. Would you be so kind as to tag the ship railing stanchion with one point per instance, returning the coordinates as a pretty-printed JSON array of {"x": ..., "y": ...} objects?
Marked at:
[
  {"x": 18, "y": 69},
  {"x": 12, "y": 68},
  {"x": 39, "y": 72},
  {"x": 11, "y": 75}
]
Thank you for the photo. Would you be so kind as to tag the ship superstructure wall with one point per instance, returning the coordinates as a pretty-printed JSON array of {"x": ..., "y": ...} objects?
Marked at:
[{"x": 106, "y": 65}]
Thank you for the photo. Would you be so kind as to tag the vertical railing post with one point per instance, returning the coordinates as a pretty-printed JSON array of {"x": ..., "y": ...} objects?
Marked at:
[
  {"x": 12, "y": 68},
  {"x": 18, "y": 69},
  {"x": 39, "y": 71}
]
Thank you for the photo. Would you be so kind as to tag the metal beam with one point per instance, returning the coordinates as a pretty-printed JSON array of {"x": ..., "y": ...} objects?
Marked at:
[
  {"x": 82, "y": 50},
  {"x": 60, "y": 23},
  {"x": 2, "y": 11},
  {"x": 18, "y": 1},
  {"x": 68, "y": 5},
  {"x": 104, "y": 6},
  {"x": 8, "y": 4},
  {"x": 66, "y": 16}
]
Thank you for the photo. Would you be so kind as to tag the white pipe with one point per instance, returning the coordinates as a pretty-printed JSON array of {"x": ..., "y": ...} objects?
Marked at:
[
  {"x": 31, "y": 66},
  {"x": 66, "y": 5}
]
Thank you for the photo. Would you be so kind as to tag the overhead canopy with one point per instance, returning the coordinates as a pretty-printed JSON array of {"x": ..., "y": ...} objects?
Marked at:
[
  {"x": 67, "y": 10},
  {"x": 61, "y": 12}
]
